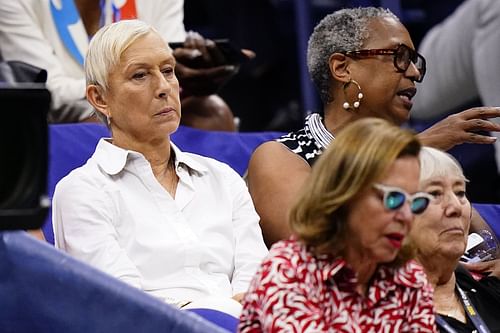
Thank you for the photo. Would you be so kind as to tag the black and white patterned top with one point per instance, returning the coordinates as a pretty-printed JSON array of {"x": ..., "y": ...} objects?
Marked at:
[{"x": 310, "y": 141}]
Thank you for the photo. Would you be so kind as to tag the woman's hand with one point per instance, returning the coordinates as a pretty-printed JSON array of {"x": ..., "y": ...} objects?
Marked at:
[
  {"x": 202, "y": 67},
  {"x": 461, "y": 128},
  {"x": 239, "y": 297},
  {"x": 490, "y": 268}
]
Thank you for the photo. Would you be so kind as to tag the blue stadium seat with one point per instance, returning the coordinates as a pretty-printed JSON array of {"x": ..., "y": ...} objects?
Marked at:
[
  {"x": 491, "y": 214},
  {"x": 45, "y": 290}
]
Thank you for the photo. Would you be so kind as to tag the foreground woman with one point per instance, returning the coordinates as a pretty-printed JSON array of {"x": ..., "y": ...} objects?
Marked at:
[
  {"x": 176, "y": 225},
  {"x": 348, "y": 267}
]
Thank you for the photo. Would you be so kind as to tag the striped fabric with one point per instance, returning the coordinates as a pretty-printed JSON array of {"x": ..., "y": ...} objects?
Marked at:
[{"x": 310, "y": 141}]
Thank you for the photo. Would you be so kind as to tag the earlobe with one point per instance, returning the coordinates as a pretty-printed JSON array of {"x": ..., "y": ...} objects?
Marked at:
[
  {"x": 339, "y": 67},
  {"x": 96, "y": 98}
]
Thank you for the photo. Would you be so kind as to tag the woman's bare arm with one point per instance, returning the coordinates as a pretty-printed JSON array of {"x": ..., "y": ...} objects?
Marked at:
[{"x": 275, "y": 176}]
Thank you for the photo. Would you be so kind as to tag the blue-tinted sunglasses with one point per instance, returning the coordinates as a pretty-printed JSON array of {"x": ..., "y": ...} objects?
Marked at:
[{"x": 395, "y": 198}]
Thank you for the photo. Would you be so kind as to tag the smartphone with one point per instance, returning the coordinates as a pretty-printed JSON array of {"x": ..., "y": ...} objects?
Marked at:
[
  {"x": 481, "y": 246},
  {"x": 232, "y": 54}
]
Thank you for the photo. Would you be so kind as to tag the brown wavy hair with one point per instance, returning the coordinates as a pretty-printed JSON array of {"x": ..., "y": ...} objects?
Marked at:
[{"x": 357, "y": 158}]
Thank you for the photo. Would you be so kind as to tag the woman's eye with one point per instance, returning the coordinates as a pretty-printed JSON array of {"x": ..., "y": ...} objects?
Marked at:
[
  {"x": 169, "y": 71},
  {"x": 435, "y": 193},
  {"x": 139, "y": 75},
  {"x": 460, "y": 194}
]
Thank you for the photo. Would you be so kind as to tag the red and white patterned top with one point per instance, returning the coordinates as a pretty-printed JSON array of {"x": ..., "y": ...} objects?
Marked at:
[{"x": 295, "y": 291}]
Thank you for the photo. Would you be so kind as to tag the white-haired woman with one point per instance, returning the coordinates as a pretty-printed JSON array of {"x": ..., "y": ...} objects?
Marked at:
[
  {"x": 176, "y": 225},
  {"x": 440, "y": 237}
]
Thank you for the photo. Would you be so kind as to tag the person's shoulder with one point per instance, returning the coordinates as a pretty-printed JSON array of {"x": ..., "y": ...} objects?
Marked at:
[
  {"x": 289, "y": 252},
  {"x": 293, "y": 260},
  {"x": 411, "y": 274},
  {"x": 89, "y": 175},
  {"x": 273, "y": 152},
  {"x": 292, "y": 136},
  {"x": 273, "y": 167}
]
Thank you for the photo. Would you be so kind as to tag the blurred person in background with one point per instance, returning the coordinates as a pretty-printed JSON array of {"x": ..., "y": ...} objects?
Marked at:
[{"x": 54, "y": 35}]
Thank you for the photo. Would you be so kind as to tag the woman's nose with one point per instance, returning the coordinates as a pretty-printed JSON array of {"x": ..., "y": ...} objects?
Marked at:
[
  {"x": 163, "y": 86},
  {"x": 451, "y": 204},
  {"x": 405, "y": 214},
  {"x": 413, "y": 72}
]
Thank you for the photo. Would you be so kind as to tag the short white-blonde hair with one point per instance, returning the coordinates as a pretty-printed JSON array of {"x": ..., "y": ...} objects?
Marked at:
[
  {"x": 108, "y": 45},
  {"x": 437, "y": 163}
]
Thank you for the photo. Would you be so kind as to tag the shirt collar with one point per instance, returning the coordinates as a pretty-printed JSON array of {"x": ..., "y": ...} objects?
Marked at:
[
  {"x": 182, "y": 158},
  {"x": 112, "y": 159}
]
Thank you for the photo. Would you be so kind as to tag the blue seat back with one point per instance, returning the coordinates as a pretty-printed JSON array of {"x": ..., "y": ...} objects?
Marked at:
[{"x": 44, "y": 290}]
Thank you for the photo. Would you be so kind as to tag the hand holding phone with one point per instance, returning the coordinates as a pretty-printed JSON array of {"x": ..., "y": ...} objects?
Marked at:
[
  {"x": 222, "y": 52},
  {"x": 203, "y": 65}
]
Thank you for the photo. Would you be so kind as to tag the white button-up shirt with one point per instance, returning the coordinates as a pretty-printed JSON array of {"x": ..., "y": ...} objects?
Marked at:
[{"x": 113, "y": 214}]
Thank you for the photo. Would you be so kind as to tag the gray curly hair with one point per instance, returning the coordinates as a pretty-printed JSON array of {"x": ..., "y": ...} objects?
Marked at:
[{"x": 342, "y": 31}]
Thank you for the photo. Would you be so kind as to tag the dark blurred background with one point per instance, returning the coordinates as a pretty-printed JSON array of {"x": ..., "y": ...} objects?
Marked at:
[{"x": 268, "y": 93}]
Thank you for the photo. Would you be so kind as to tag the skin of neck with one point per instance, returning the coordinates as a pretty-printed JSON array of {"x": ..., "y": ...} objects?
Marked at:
[
  {"x": 363, "y": 266},
  {"x": 444, "y": 289},
  {"x": 445, "y": 298},
  {"x": 438, "y": 267},
  {"x": 336, "y": 117},
  {"x": 440, "y": 272},
  {"x": 156, "y": 151}
]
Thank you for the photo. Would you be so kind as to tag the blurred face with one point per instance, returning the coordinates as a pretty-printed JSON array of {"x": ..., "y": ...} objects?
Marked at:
[
  {"x": 387, "y": 92},
  {"x": 443, "y": 228},
  {"x": 377, "y": 233},
  {"x": 143, "y": 96}
]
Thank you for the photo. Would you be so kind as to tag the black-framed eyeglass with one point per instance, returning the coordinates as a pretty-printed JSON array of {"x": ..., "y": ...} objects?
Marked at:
[{"x": 403, "y": 56}]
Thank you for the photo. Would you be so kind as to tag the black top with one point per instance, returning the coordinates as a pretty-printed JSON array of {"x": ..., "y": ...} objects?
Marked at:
[
  {"x": 484, "y": 295},
  {"x": 310, "y": 141}
]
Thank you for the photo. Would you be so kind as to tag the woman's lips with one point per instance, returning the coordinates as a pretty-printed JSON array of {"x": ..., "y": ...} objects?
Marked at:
[
  {"x": 454, "y": 230},
  {"x": 165, "y": 111},
  {"x": 408, "y": 104},
  {"x": 406, "y": 96},
  {"x": 396, "y": 239}
]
